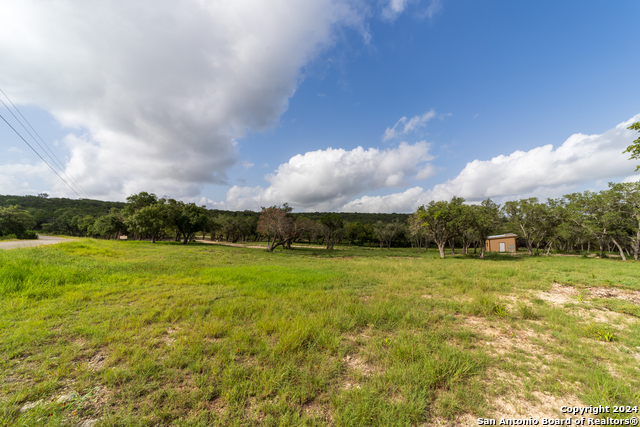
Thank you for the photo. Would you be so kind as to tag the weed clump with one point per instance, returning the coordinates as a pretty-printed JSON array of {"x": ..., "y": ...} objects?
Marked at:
[
  {"x": 500, "y": 310},
  {"x": 527, "y": 312},
  {"x": 603, "y": 333}
]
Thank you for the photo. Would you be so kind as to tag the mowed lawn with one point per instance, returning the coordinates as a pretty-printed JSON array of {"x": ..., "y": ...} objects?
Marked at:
[{"x": 108, "y": 333}]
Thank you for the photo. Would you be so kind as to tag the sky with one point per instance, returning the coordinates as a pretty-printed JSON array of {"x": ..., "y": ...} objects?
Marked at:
[{"x": 328, "y": 105}]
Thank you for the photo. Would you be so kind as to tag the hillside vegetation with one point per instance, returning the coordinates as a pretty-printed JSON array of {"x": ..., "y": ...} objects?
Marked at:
[{"x": 129, "y": 333}]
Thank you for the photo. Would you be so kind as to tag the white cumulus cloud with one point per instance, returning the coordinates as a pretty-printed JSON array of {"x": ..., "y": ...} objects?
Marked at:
[
  {"x": 326, "y": 179},
  {"x": 542, "y": 171},
  {"x": 159, "y": 91}
]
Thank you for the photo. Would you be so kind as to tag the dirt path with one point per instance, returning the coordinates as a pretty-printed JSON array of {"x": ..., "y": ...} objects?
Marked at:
[{"x": 42, "y": 240}]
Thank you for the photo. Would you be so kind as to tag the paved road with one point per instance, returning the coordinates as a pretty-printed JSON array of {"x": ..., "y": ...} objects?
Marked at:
[{"x": 42, "y": 240}]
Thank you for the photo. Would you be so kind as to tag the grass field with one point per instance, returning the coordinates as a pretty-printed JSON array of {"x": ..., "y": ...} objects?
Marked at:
[{"x": 109, "y": 333}]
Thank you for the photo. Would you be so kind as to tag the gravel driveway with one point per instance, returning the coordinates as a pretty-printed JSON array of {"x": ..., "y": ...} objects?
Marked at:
[{"x": 42, "y": 240}]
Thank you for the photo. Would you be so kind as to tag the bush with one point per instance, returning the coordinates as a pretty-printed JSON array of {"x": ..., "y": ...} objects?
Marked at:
[
  {"x": 28, "y": 235},
  {"x": 8, "y": 237}
]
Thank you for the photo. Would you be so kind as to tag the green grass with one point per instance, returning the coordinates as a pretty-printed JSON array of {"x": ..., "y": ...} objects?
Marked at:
[{"x": 136, "y": 334}]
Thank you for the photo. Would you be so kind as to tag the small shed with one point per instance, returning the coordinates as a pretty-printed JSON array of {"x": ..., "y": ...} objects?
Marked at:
[{"x": 501, "y": 243}]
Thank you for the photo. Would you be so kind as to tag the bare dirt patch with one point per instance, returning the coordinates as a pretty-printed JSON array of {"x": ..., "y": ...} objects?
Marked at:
[
  {"x": 514, "y": 404},
  {"x": 253, "y": 411},
  {"x": 560, "y": 294},
  {"x": 601, "y": 315},
  {"x": 97, "y": 362},
  {"x": 355, "y": 363},
  {"x": 542, "y": 405},
  {"x": 170, "y": 338},
  {"x": 360, "y": 335},
  {"x": 318, "y": 412},
  {"x": 464, "y": 420},
  {"x": 356, "y": 366},
  {"x": 610, "y": 292},
  {"x": 216, "y": 406},
  {"x": 504, "y": 339}
]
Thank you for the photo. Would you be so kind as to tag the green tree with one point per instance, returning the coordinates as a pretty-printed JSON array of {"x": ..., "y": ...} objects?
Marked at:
[
  {"x": 187, "y": 219},
  {"x": 629, "y": 194},
  {"x": 386, "y": 233},
  {"x": 486, "y": 220},
  {"x": 634, "y": 148},
  {"x": 15, "y": 220},
  {"x": 139, "y": 201},
  {"x": 331, "y": 225},
  {"x": 308, "y": 228},
  {"x": 416, "y": 233},
  {"x": 85, "y": 224},
  {"x": 601, "y": 214},
  {"x": 108, "y": 225},
  {"x": 437, "y": 218},
  {"x": 461, "y": 223},
  {"x": 530, "y": 218},
  {"x": 150, "y": 221},
  {"x": 556, "y": 224}
]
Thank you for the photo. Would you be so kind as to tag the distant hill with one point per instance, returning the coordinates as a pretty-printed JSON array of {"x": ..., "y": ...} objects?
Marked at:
[{"x": 45, "y": 209}]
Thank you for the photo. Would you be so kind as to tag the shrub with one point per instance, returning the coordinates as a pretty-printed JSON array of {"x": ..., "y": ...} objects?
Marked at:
[{"x": 28, "y": 235}]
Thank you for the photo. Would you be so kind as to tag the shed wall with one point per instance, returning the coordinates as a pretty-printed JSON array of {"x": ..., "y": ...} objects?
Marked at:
[{"x": 493, "y": 245}]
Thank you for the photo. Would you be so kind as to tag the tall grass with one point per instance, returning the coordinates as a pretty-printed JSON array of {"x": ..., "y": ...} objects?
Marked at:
[{"x": 205, "y": 335}]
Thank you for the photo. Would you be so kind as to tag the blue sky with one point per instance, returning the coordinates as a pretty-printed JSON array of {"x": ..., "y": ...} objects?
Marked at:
[{"x": 237, "y": 106}]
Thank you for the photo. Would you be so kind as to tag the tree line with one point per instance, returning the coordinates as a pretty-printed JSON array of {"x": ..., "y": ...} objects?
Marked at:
[{"x": 608, "y": 220}]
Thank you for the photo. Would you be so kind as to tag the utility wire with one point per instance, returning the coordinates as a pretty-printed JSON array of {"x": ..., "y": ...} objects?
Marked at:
[
  {"x": 32, "y": 137},
  {"x": 58, "y": 163},
  {"x": 38, "y": 154}
]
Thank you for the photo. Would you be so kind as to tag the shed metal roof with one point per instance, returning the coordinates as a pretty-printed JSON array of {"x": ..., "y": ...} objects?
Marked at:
[{"x": 502, "y": 235}]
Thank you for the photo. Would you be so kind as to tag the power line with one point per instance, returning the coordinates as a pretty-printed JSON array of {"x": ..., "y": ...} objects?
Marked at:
[
  {"x": 58, "y": 163},
  {"x": 32, "y": 137},
  {"x": 38, "y": 154}
]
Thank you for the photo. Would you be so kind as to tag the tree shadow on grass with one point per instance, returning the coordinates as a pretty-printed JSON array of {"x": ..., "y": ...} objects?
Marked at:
[{"x": 498, "y": 257}]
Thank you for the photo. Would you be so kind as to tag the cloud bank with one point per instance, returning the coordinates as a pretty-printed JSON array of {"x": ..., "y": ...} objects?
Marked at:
[
  {"x": 324, "y": 180},
  {"x": 538, "y": 172},
  {"x": 159, "y": 92}
]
